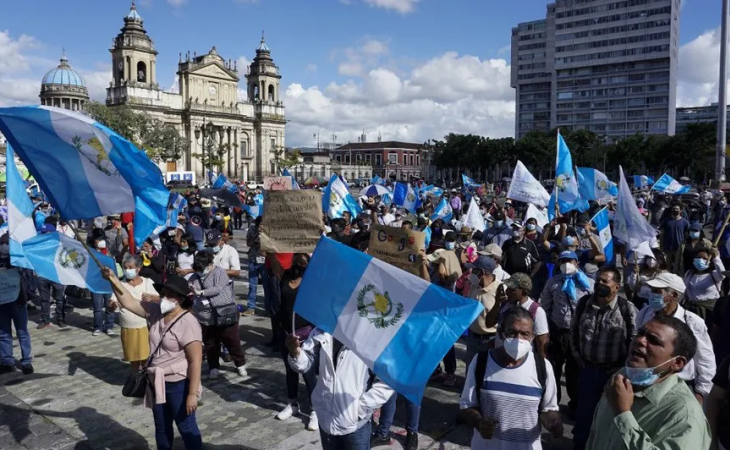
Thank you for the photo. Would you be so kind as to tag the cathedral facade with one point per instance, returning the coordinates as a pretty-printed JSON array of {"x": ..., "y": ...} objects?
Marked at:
[{"x": 207, "y": 109}]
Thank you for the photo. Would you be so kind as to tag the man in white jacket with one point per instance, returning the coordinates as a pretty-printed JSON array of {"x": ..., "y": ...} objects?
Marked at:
[{"x": 347, "y": 392}]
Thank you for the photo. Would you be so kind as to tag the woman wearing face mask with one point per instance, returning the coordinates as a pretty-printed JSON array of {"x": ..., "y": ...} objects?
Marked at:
[
  {"x": 210, "y": 285},
  {"x": 175, "y": 362},
  {"x": 135, "y": 337},
  {"x": 153, "y": 263},
  {"x": 290, "y": 281},
  {"x": 649, "y": 266},
  {"x": 185, "y": 256},
  {"x": 666, "y": 294},
  {"x": 704, "y": 283},
  {"x": 685, "y": 256}
]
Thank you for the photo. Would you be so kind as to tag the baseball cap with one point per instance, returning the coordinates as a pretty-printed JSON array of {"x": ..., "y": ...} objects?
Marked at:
[
  {"x": 484, "y": 263},
  {"x": 695, "y": 227},
  {"x": 491, "y": 250},
  {"x": 115, "y": 217},
  {"x": 213, "y": 237},
  {"x": 519, "y": 281},
  {"x": 667, "y": 280},
  {"x": 567, "y": 254},
  {"x": 517, "y": 223}
]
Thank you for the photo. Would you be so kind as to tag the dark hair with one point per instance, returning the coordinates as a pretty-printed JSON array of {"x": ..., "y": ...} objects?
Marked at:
[
  {"x": 612, "y": 270},
  {"x": 702, "y": 250},
  {"x": 52, "y": 220},
  {"x": 187, "y": 237},
  {"x": 202, "y": 260},
  {"x": 186, "y": 302},
  {"x": 685, "y": 343},
  {"x": 512, "y": 315},
  {"x": 661, "y": 259},
  {"x": 407, "y": 222}
]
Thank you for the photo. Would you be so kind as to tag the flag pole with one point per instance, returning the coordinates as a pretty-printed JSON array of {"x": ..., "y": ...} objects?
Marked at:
[
  {"x": 722, "y": 230},
  {"x": 83, "y": 242},
  {"x": 557, "y": 161}
]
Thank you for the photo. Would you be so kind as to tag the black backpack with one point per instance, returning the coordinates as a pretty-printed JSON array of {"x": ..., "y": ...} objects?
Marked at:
[{"x": 481, "y": 370}]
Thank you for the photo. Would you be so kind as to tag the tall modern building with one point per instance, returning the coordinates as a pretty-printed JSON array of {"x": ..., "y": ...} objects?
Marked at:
[
  {"x": 602, "y": 65},
  {"x": 697, "y": 114}
]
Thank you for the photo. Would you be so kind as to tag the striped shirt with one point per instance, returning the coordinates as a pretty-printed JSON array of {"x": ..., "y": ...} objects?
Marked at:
[{"x": 511, "y": 396}]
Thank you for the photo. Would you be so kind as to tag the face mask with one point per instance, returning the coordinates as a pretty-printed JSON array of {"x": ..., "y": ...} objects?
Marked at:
[
  {"x": 675, "y": 212},
  {"x": 640, "y": 376},
  {"x": 473, "y": 279},
  {"x": 130, "y": 274},
  {"x": 184, "y": 248},
  {"x": 166, "y": 305},
  {"x": 650, "y": 263},
  {"x": 218, "y": 217},
  {"x": 516, "y": 234},
  {"x": 568, "y": 268},
  {"x": 499, "y": 223},
  {"x": 216, "y": 249},
  {"x": 450, "y": 245},
  {"x": 656, "y": 301},
  {"x": 694, "y": 234},
  {"x": 101, "y": 244},
  {"x": 531, "y": 227},
  {"x": 602, "y": 291},
  {"x": 701, "y": 264},
  {"x": 517, "y": 348}
]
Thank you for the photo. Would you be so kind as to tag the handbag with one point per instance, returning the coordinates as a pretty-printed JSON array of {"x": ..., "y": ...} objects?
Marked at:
[
  {"x": 225, "y": 315},
  {"x": 136, "y": 384}
]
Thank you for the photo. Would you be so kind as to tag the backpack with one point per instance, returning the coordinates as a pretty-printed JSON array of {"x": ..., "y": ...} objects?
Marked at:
[{"x": 481, "y": 370}]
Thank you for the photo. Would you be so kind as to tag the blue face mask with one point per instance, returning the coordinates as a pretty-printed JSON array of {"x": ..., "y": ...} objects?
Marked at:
[
  {"x": 530, "y": 227},
  {"x": 644, "y": 376},
  {"x": 701, "y": 264},
  {"x": 694, "y": 234},
  {"x": 656, "y": 301},
  {"x": 499, "y": 223},
  {"x": 450, "y": 245}
]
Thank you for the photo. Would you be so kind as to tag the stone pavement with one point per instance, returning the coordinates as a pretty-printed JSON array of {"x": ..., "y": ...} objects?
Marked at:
[{"x": 74, "y": 398}]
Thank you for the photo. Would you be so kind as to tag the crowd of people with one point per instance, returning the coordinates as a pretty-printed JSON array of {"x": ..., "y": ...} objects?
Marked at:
[{"x": 640, "y": 339}]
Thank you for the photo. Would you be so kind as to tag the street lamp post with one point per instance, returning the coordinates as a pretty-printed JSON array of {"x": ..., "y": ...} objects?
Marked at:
[
  {"x": 207, "y": 131},
  {"x": 722, "y": 97}
]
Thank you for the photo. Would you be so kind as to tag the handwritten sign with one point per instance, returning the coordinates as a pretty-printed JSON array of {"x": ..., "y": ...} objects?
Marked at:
[
  {"x": 9, "y": 285},
  {"x": 277, "y": 184},
  {"x": 397, "y": 247},
  {"x": 292, "y": 221}
]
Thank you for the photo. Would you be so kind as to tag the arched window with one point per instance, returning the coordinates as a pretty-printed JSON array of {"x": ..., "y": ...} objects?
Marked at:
[
  {"x": 271, "y": 93},
  {"x": 141, "y": 72},
  {"x": 255, "y": 93}
]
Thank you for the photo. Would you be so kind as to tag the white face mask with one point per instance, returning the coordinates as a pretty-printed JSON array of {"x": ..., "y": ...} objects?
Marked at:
[
  {"x": 167, "y": 305},
  {"x": 568, "y": 268},
  {"x": 102, "y": 244},
  {"x": 130, "y": 274},
  {"x": 517, "y": 348}
]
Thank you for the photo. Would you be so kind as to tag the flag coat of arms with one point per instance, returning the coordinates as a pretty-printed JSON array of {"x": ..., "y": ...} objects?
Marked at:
[
  {"x": 443, "y": 211},
  {"x": 405, "y": 197},
  {"x": 604, "y": 234},
  {"x": 400, "y": 325},
  {"x": 566, "y": 185},
  {"x": 595, "y": 185},
  {"x": 337, "y": 199}
]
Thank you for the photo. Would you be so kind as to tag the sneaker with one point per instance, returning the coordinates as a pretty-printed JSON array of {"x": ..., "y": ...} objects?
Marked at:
[
  {"x": 376, "y": 440},
  {"x": 4, "y": 368},
  {"x": 249, "y": 312},
  {"x": 412, "y": 441},
  {"x": 43, "y": 325},
  {"x": 449, "y": 380},
  {"x": 242, "y": 371},
  {"x": 27, "y": 369},
  {"x": 61, "y": 323},
  {"x": 110, "y": 332},
  {"x": 213, "y": 374},
  {"x": 313, "y": 424},
  {"x": 96, "y": 333},
  {"x": 290, "y": 410},
  {"x": 227, "y": 358}
]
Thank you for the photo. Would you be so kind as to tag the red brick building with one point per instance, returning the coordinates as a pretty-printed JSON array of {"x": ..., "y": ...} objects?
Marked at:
[{"x": 391, "y": 159}]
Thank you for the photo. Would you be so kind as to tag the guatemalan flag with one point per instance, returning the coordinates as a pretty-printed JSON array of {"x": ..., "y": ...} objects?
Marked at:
[
  {"x": 337, "y": 199},
  {"x": 468, "y": 182},
  {"x": 256, "y": 209},
  {"x": 642, "y": 181},
  {"x": 294, "y": 184},
  {"x": 21, "y": 226},
  {"x": 400, "y": 325},
  {"x": 604, "y": 234},
  {"x": 405, "y": 197},
  {"x": 669, "y": 185},
  {"x": 566, "y": 185},
  {"x": 86, "y": 169},
  {"x": 430, "y": 190},
  {"x": 594, "y": 185},
  {"x": 443, "y": 211}
]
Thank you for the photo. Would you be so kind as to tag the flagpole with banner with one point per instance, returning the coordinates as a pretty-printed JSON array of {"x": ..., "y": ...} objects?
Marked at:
[{"x": 555, "y": 179}]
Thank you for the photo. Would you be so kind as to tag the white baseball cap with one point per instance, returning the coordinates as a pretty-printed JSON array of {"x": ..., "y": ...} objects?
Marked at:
[{"x": 667, "y": 280}]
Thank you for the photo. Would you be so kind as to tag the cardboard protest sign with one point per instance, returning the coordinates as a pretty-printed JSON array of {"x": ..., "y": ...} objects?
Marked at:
[
  {"x": 292, "y": 221},
  {"x": 9, "y": 285},
  {"x": 277, "y": 184},
  {"x": 397, "y": 247}
]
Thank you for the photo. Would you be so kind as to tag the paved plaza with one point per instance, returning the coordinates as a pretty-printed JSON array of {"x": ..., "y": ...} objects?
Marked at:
[{"x": 74, "y": 399}]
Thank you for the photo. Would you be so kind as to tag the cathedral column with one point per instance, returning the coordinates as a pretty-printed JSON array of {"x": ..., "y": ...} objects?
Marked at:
[
  {"x": 153, "y": 72},
  {"x": 229, "y": 152}
]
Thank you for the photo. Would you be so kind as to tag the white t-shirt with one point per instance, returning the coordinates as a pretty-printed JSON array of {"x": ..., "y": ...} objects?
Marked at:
[
  {"x": 185, "y": 261},
  {"x": 511, "y": 396},
  {"x": 227, "y": 258},
  {"x": 128, "y": 319}
]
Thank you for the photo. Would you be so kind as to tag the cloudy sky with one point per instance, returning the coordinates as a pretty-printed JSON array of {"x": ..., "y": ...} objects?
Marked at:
[{"x": 407, "y": 69}]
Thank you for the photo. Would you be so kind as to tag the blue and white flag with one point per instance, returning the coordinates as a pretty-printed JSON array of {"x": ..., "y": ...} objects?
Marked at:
[
  {"x": 629, "y": 226},
  {"x": 669, "y": 185},
  {"x": 566, "y": 185},
  {"x": 427, "y": 242},
  {"x": 430, "y": 190},
  {"x": 177, "y": 204},
  {"x": 62, "y": 259},
  {"x": 594, "y": 185},
  {"x": 443, "y": 211},
  {"x": 641, "y": 181},
  {"x": 468, "y": 182},
  {"x": 221, "y": 182},
  {"x": 256, "y": 209},
  {"x": 604, "y": 234},
  {"x": 294, "y": 184},
  {"x": 377, "y": 180},
  {"x": 400, "y": 325},
  {"x": 86, "y": 169},
  {"x": 405, "y": 197},
  {"x": 337, "y": 199},
  {"x": 21, "y": 226}
]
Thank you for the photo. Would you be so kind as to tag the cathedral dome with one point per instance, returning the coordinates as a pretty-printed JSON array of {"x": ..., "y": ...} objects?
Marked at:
[{"x": 64, "y": 75}]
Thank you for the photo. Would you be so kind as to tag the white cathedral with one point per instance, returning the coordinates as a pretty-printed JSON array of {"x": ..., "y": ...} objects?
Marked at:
[{"x": 206, "y": 109}]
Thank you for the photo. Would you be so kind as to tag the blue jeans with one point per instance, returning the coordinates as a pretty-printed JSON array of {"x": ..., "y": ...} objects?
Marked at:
[
  {"x": 101, "y": 301},
  {"x": 174, "y": 410},
  {"x": 46, "y": 288},
  {"x": 357, "y": 440},
  {"x": 591, "y": 381},
  {"x": 14, "y": 314},
  {"x": 254, "y": 271},
  {"x": 387, "y": 413}
]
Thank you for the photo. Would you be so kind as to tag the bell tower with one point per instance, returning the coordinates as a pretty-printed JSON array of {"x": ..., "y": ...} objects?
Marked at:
[
  {"x": 263, "y": 77},
  {"x": 134, "y": 57}
]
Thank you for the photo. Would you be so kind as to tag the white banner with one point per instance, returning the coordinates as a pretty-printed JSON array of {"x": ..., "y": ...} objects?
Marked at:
[{"x": 525, "y": 188}]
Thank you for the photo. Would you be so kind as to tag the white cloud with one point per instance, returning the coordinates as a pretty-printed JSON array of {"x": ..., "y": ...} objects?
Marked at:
[
  {"x": 176, "y": 3},
  {"x": 96, "y": 83},
  {"x": 357, "y": 59},
  {"x": 699, "y": 70},
  {"x": 242, "y": 64},
  {"x": 449, "y": 93},
  {"x": 311, "y": 68},
  {"x": 12, "y": 57},
  {"x": 401, "y": 6}
]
